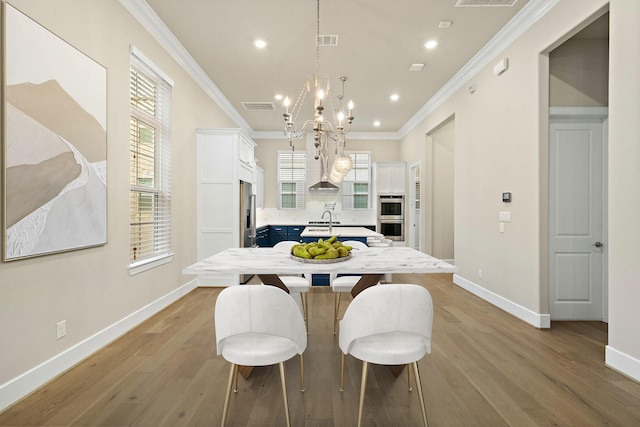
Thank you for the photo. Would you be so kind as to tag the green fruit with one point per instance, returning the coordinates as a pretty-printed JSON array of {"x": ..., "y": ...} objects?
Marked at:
[
  {"x": 330, "y": 254},
  {"x": 301, "y": 252},
  {"x": 294, "y": 247},
  {"x": 332, "y": 239},
  {"x": 342, "y": 252},
  {"x": 347, "y": 247}
]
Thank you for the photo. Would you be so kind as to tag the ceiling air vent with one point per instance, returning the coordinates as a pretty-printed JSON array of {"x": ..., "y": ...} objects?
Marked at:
[
  {"x": 263, "y": 106},
  {"x": 470, "y": 3},
  {"x": 328, "y": 40}
]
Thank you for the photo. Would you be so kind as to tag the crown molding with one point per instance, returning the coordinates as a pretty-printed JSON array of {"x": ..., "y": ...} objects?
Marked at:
[
  {"x": 529, "y": 15},
  {"x": 146, "y": 16}
]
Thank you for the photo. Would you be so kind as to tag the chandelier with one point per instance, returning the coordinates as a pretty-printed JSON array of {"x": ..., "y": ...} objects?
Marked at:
[{"x": 325, "y": 131}]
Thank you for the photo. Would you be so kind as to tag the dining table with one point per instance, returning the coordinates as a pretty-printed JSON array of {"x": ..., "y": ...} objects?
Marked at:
[{"x": 269, "y": 263}]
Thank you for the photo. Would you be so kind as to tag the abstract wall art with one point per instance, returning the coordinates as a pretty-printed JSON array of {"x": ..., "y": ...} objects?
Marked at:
[{"x": 54, "y": 142}]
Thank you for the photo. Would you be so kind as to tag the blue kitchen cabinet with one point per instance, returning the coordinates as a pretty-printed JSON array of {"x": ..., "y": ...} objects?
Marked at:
[
  {"x": 277, "y": 233},
  {"x": 262, "y": 237},
  {"x": 294, "y": 231}
]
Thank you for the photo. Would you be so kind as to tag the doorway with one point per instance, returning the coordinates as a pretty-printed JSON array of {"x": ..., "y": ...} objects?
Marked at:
[
  {"x": 577, "y": 177},
  {"x": 577, "y": 206},
  {"x": 414, "y": 206}
]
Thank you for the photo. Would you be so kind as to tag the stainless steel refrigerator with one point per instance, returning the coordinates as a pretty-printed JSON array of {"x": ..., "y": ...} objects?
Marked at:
[{"x": 247, "y": 221}]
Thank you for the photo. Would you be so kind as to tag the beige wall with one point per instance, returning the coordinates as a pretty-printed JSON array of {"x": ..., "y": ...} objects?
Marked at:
[
  {"x": 579, "y": 74},
  {"x": 500, "y": 132},
  {"x": 441, "y": 171},
  {"x": 624, "y": 176},
  {"x": 91, "y": 289}
]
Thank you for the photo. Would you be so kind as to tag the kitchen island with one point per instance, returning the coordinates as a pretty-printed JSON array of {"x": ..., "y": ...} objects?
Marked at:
[{"x": 342, "y": 232}]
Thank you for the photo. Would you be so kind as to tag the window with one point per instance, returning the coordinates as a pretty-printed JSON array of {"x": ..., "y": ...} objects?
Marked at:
[
  {"x": 355, "y": 186},
  {"x": 292, "y": 179},
  {"x": 150, "y": 162}
]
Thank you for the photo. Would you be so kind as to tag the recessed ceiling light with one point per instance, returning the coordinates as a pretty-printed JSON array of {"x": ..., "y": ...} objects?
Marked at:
[
  {"x": 376, "y": 123},
  {"x": 394, "y": 97},
  {"x": 260, "y": 44},
  {"x": 431, "y": 44},
  {"x": 279, "y": 97}
]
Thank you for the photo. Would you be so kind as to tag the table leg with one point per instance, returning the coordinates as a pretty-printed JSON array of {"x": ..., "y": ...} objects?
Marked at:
[
  {"x": 273, "y": 280},
  {"x": 365, "y": 281}
]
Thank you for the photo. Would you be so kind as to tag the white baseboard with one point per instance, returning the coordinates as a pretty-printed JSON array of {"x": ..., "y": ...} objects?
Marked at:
[
  {"x": 622, "y": 362},
  {"x": 538, "y": 320},
  {"x": 19, "y": 387}
]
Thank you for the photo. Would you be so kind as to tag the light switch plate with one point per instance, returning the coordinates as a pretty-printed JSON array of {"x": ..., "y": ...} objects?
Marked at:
[{"x": 505, "y": 216}]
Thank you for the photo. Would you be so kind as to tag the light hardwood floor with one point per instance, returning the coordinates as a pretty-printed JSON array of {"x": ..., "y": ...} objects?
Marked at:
[{"x": 486, "y": 369}]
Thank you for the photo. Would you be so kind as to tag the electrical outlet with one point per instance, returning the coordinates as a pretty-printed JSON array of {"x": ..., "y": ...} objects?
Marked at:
[
  {"x": 480, "y": 274},
  {"x": 61, "y": 329}
]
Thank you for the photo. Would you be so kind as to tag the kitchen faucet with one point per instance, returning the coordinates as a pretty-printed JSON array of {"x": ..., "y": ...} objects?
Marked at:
[{"x": 330, "y": 220}]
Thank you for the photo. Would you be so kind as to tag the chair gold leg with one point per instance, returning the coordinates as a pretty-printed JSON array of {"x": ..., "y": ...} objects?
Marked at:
[
  {"x": 305, "y": 309},
  {"x": 363, "y": 385},
  {"x": 409, "y": 378},
  {"x": 232, "y": 372},
  {"x": 235, "y": 380},
  {"x": 420, "y": 395},
  {"x": 302, "y": 373},
  {"x": 336, "y": 309},
  {"x": 284, "y": 393},
  {"x": 341, "y": 371}
]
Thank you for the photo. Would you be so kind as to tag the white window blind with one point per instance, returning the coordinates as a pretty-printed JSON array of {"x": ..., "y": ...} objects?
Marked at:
[
  {"x": 150, "y": 162},
  {"x": 292, "y": 179},
  {"x": 356, "y": 183}
]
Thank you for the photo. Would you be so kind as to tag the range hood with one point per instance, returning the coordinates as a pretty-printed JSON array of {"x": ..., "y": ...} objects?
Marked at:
[{"x": 324, "y": 184}]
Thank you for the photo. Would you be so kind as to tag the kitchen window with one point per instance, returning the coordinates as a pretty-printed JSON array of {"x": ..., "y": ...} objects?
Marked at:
[
  {"x": 150, "y": 164},
  {"x": 356, "y": 184},
  {"x": 292, "y": 179}
]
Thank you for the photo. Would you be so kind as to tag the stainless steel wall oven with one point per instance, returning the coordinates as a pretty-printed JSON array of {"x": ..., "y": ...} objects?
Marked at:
[
  {"x": 391, "y": 216},
  {"x": 390, "y": 206}
]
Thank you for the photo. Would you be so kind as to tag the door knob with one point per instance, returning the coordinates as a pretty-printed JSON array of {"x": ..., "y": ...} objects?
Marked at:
[{"x": 598, "y": 244}]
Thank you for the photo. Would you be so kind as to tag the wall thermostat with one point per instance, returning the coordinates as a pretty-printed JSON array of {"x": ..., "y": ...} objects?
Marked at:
[{"x": 506, "y": 197}]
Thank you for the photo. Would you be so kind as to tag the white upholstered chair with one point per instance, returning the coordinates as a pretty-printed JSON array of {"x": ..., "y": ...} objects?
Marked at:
[
  {"x": 258, "y": 325},
  {"x": 341, "y": 284},
  {"x": 297, "y": 285},
  {"x": 388, "y": 325}
]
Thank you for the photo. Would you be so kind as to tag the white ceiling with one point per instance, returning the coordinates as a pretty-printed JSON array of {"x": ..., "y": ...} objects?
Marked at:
[{"x": 378, "y": 41}]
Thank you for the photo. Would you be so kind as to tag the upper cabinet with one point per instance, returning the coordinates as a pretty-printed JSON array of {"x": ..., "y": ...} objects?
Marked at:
[{"x": 391, "y": 177}]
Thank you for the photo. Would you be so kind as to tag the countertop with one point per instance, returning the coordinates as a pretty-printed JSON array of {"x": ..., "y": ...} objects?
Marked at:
[
  {"x": 274, "y": 261},
  {"x": 339, "y": 231}
]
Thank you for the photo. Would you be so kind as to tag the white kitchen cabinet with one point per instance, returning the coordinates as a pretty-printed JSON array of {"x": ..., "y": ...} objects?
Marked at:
[
  {"x": 391, "y": 177},
  {"x": 224, "y": 158},
  {"x": 258, "y": 188}
]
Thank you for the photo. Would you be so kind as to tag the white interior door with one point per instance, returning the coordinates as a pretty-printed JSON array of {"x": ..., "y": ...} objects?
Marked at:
[
  {"x": 577, "y": 219},
  {"x": 414, "y": 206}
]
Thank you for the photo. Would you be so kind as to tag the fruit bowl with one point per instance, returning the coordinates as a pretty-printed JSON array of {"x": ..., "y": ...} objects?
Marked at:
[{"x": 321, "y": 252}]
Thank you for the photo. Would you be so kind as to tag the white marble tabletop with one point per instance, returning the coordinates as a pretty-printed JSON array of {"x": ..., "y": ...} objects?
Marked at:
[{"x": 275, "y": 261}]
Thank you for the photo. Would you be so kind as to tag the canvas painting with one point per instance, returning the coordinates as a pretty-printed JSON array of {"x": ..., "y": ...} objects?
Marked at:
[{"x": 54, "y": 143}]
